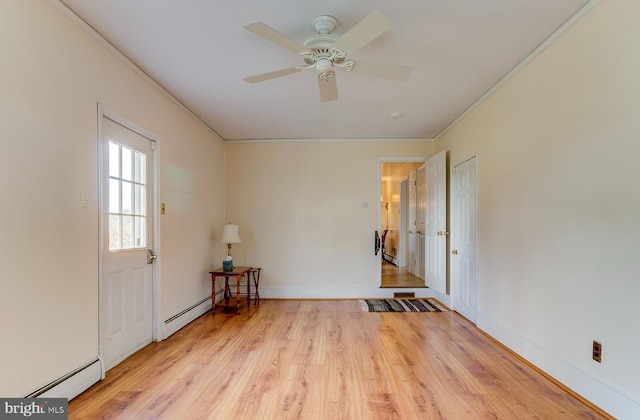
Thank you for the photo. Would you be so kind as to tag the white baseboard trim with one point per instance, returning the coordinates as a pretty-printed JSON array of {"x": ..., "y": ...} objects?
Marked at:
[
  {"x": 614, "y": 401},
  {"x": 392, "y": 259},
  {"x": 181, "y": 319},
  {"x": 442, "y": 298},
  {"x": 295, "y": 292},
  {"x": 72, "y": 384}
]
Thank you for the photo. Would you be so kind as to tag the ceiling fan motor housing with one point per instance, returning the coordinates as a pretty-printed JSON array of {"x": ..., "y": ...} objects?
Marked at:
[
  {"x": 324, "y": 24},
  {"x": 322, "y": 58}
]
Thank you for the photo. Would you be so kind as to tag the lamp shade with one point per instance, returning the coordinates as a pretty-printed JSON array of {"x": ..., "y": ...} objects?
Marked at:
[{"x": 230, "y": 234}]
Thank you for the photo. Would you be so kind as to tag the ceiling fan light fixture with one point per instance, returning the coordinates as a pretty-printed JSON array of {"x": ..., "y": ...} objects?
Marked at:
[{"x": 324, "y": 65}]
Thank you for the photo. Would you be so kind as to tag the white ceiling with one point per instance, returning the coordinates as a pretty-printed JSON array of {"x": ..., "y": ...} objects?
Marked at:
[{"x": 199, "y": 52}]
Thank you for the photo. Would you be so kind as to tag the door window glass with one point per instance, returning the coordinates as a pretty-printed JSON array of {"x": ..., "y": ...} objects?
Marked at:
[{"x": 127, "y": 198}]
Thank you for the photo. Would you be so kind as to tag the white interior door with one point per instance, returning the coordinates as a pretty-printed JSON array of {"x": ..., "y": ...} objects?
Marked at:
[
  {"x": 402, "y": 234},
  {"x": 436, "y": 222},
  {"x": 127, "y": 177},
  {"x": 464, "y": 238},
  {"x": 420, "y": 223},
  {"x": 411, "y": 211}
]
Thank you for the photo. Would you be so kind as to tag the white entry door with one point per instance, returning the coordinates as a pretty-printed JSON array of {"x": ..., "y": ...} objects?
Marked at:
[
  {"x": 127, "y": 225},
  {"x": 464, "y": 237},
  {"x": 436, "y": 222}
]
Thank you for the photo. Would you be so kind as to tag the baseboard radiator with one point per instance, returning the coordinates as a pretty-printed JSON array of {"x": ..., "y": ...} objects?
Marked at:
[
  {"x": 73, "y": 383},
  {"x": 179, "y": 320},
  {"x": 79, "y": 380}
]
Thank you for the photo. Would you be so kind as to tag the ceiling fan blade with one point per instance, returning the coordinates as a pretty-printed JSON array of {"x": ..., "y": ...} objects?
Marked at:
[
  {"x": 272, "y": 75},
  {"x": 276, "y": 37},
  {"x": 328, "y": 88},
  {"x": 387, "y": 71},
  {"x": 368, "y": 29}
]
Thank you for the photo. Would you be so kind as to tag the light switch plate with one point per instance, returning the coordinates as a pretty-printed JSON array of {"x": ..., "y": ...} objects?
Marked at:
[{"x": 84, "y": 199}]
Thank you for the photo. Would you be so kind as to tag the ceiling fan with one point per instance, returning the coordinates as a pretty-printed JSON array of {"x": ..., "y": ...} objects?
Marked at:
[{"x": 324, "y": 52}]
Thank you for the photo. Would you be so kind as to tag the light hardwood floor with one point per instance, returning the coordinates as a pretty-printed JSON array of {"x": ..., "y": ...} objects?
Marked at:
[
  {"x": 395, "y": 277},
  {"x": 326, "y": 359}
]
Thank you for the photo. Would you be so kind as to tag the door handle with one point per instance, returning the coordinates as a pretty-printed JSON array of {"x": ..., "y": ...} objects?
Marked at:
[
  {"x": 151, "y": 257},
  {"x": 454, "y": 252},
  {"x": 376, "y": 243}
]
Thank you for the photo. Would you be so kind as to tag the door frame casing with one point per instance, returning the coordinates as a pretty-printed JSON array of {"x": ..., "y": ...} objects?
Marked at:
[{"x": 158, "y": 333}]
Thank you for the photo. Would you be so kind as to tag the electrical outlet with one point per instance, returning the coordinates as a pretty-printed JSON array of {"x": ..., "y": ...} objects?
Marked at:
[{"x": 597, "y": 351}]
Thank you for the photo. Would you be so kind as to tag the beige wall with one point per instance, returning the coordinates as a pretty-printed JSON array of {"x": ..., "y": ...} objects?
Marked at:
[
  {"x": 52, "y": 76},
  {"x": 559, "y": 205},
  {"x": 300, "y": 207}
]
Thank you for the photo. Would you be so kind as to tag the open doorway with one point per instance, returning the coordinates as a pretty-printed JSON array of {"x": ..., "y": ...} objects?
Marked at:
[{"x": 399, "y": 202}]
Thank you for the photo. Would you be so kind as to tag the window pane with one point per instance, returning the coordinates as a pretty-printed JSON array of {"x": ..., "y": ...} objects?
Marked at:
[
  {"x": 127, "y": 232},
  {"x": 114, "y": 196},
  {"x": 139, "y": 200},
  {"x": 127, "y": 161},
  {"x": 140, "y": 232},
  {"x": 114, "y": 159},
  {"x": 114, "y": 233},
  {"x": 140, "y": 167},
  {"x": 127, "y": 205}
]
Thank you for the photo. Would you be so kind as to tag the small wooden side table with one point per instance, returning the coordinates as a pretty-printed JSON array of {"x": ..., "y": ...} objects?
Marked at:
[{"x": 229, "y": 300}]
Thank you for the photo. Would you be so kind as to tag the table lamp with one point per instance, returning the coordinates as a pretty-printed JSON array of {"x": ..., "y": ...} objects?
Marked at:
[{"x": 229, "y": 236}]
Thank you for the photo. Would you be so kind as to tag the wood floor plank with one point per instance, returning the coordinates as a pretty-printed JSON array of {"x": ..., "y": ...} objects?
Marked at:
[
  {"x": 309, "y": 359},
  {"x": 396, "y": 277}
]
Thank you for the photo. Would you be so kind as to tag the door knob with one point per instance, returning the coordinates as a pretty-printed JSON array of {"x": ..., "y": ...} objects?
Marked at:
[
  {"x": 151, "y": 257},
  {"x": 454, "y": 251}
]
